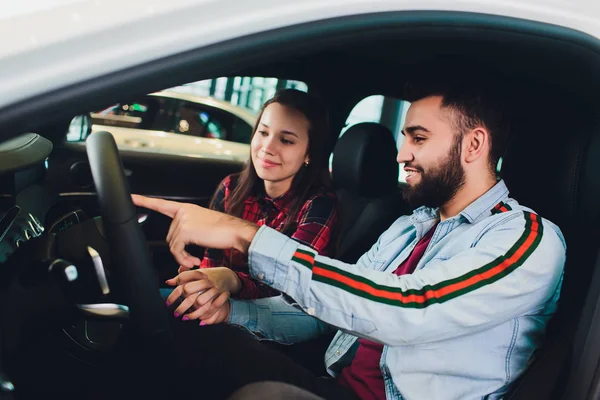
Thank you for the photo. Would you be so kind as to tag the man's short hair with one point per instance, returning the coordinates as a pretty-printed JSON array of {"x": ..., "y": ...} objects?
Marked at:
[{"x": 474, "y": 104}]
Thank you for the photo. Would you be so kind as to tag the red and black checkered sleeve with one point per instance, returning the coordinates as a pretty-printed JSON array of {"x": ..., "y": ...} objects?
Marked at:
[
  {"x": 317, "y": 223},
  {"x": 213, "y": 257}
]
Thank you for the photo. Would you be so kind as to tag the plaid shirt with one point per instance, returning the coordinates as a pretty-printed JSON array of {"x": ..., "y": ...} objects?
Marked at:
[{"x": 313, "y": 226}]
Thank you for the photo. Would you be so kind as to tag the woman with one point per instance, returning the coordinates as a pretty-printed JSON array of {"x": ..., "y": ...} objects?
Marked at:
[{"x": 285, "y": 185}]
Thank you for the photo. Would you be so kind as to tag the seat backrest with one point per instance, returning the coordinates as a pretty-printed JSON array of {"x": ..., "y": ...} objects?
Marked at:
[
  {"x": 553, "y": 166},
  {"x": 365, "y": 175}
]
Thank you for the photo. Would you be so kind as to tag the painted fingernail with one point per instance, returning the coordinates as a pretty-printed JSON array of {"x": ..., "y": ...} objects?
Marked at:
[
  {"x": 168, "y": 303},
  {"x": 185, "y": 318},
  {"x": 202, "y": 323},
  {"x": 176, "y": 315}
]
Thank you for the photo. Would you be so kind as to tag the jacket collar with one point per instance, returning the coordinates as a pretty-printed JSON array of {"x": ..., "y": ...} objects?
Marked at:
[{"x": 478, "y": 209}]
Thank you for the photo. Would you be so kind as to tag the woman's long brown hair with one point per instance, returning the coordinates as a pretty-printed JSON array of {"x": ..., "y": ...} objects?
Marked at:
[{"x": 313, "y": 176}]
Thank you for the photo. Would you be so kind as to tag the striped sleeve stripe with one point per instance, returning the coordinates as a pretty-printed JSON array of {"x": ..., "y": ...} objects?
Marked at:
[
  {"x": 443, "y": 291},
  {"x": 501, "y": 208},
  {"x": 305, "y": 258}
]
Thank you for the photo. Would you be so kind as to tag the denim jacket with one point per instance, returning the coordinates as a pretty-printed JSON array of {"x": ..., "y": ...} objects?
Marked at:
[{"x": 463, "y": 325}]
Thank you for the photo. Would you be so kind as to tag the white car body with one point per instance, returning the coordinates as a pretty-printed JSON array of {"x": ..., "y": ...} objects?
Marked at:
[
  {"x": 45, "y": 45},
  {"x": 48, "y": 45},
  {"x": 160, "y": 142}
]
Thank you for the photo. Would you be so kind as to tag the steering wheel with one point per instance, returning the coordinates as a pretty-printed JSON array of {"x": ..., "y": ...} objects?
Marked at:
[{"x": 135, "y": 276}]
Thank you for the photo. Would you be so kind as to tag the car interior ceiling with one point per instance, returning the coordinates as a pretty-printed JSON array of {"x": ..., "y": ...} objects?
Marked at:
[{"x": 551, "y": 164}]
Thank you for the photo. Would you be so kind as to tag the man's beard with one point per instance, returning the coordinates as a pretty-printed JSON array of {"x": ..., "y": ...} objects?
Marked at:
[{"x": 439, "y": 184}]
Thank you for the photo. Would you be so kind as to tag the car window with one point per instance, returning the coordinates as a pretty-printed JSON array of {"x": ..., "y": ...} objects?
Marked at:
[
  {"x": 241, "y": 132},
  {"x": 201, "y": 121},
  {"x": 388, "y": 111},
  {"x": 224, "y": 109}
]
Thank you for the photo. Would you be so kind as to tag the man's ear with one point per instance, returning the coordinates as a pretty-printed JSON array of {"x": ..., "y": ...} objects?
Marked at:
[{"x": 476, "y": 144}]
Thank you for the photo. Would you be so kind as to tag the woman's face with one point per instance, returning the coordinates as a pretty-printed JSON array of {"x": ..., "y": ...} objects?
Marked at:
[{"x": 280, "y": 144}]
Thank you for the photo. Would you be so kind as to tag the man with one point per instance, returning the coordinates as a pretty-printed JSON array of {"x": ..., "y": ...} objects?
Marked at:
[{"x": 451, "y": 301}]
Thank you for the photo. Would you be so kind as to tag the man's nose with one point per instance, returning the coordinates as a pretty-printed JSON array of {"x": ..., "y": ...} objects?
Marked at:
[{"x": 404, "y": 154}]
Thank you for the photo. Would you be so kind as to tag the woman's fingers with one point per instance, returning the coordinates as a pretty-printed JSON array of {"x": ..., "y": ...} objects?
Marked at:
[
  {"x": 172, "y": 281},
  {"x": 175, "y": 295},
  {"x": 191, "y": 276},
  {"x": 193, "y": 295},
  {"x": 186, "y": 304},
  {"x": 191, "y": 288},
  {"x": 216, "y": 313},
  {"x": 188, "y": 276},
  {"x": 203, "y": 303},
  {"x": 207, "y": 297}
]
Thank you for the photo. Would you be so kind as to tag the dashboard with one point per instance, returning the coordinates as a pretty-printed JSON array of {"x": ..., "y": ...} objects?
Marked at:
[
  {"x": 16, "y": 227},
  {"x": 54, "y": 263},
  {"x": 18, "y": 222},
  {"x": 24, "y": 200}
]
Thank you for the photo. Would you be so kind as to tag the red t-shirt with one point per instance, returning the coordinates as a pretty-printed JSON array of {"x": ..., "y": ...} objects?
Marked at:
[{"x": 363, "y": 375}]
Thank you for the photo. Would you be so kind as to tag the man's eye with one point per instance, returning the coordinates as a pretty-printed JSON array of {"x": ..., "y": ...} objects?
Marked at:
[{"x": 418, "y": 139}]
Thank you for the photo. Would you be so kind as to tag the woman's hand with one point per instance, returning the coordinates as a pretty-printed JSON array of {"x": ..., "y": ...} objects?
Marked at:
[
  {"x": 210, "y": 307},
  {"x": 205, "y": 292},
  {"x": 221, "y": 314},
  {"x": 222, "y": 277},
  {"x": 193, "y": 224}
]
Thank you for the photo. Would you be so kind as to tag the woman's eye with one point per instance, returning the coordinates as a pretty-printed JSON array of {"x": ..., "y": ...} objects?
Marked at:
[
  {"x": 263, "y": 133},
  {"x": 418, "y": 139},
  {"x": 285, "y": 141}
]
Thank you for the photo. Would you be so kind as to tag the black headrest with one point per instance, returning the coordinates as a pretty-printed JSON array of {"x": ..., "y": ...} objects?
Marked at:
[
  {"x": 364, "y": 160},
  {"x": 556, "y": 172}
]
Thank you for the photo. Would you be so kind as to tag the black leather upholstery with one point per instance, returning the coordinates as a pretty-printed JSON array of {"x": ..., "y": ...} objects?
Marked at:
[
  {"x": 560, "y": 182},
  {"x": 557, "y": 176},
  {"x": 364, "y": 160},
  {"x": 365, "y": 174}
]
